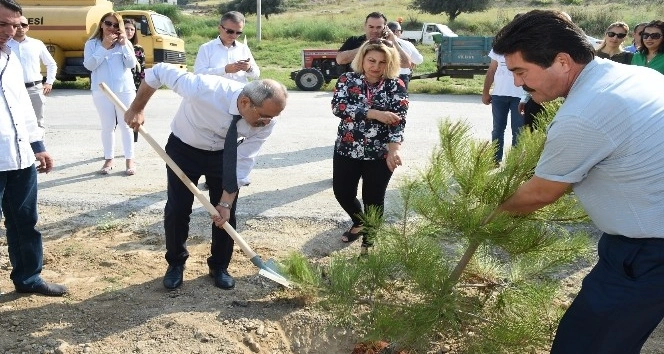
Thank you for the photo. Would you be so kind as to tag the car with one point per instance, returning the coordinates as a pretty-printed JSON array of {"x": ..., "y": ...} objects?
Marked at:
[{"x": 594, "y": 41}]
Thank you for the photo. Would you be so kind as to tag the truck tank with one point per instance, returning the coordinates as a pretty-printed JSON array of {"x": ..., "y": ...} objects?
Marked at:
[{"x": 67, "y": 25}]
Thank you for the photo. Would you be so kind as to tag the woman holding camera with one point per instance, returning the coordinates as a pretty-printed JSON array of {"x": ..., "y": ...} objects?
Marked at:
[
  {"x": 110, "y": 56},
  {"x": 372, "y": 104}
]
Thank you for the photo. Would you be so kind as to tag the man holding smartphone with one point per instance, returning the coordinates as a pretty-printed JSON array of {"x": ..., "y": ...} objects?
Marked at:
[
  {"x": 374, "y": 28},
  {"x": 225, "y": 55}
]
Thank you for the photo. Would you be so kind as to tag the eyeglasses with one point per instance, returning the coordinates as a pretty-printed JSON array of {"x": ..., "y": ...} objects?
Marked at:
[
  {"x": 655, "y": 36},
  {"x": 381, "y": 41},
  {"x": 612, "y": 34},
  {"x": 24, "y": 25},
  {"x": 111, "y": 24},
  {"x": 262, "y": 119},
  {"x": 230, "y": 31}
]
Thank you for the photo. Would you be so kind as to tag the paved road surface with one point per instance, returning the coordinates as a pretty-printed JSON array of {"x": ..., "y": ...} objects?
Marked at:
[{"x": 293, "y": 173}]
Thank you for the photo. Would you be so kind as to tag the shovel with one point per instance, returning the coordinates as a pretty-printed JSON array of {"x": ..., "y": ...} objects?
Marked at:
[{"x": 268, "y": 269}]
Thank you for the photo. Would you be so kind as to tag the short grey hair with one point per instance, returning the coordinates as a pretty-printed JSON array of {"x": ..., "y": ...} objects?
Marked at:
[
  {"x": 233, "y": 16},
  {"x": 258, "y": 91}
]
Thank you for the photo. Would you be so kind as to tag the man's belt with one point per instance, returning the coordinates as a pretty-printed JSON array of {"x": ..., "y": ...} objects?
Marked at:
[{"x": 34, "y": 83}]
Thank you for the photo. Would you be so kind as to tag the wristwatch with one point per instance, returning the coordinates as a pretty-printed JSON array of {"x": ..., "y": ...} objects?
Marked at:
[{"x": 224, "y": 205}]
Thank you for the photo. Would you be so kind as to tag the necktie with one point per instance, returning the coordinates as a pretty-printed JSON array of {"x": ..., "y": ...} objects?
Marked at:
[{"x": 229, "y": 174}]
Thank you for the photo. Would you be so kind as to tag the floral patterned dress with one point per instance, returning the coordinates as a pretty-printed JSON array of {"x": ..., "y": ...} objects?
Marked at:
[
  {"x": 361, "y": 138},
  {"x": 139, "y": 71}
]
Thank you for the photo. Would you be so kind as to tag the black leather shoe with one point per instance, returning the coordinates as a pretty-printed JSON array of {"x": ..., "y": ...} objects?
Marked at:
[
  {"x": 173, "y": 277},
  {"x": 44, "y": 288},
  {"x": 222, "y": 279}
]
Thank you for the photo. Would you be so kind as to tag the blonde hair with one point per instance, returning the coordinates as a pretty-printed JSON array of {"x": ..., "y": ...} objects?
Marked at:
[
  {"x": 618, "y": 24},
  {"x": 99, "y": 33},
  {"x": 393, "y": 61}
]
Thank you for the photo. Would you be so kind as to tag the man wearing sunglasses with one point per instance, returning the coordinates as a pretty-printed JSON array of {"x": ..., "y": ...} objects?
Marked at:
[
  {"x": 32, "y": 52},
  {"x": 225, "y": 55},
  {"x": 21, "y": 143},
  {"x": 605, "y": 143}
]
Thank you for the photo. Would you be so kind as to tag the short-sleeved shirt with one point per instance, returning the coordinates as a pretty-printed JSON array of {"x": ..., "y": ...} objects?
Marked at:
[
  {"x": 351, "y": 43},
  {"x": 503, "y": 79},
  {"x": 607, "y": 141}
]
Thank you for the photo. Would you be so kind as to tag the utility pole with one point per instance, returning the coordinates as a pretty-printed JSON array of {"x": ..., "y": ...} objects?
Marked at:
[{"x": 258, "y": 20}]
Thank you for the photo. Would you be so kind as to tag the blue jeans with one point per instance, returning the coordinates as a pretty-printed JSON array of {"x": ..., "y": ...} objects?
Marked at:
[
  {"x": 500, "y": 106},
  {"x": 18, "y": 191}
]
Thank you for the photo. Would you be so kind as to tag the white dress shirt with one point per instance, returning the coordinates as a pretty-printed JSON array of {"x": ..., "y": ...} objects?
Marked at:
[
  {"x": 112, "y": 66},
  {"x": 32, "y": 52},
  {"x": 20, "y": 137},
  {"x": 213, "y": 56},
  {"x": 207, "y": 109},
  {"x": 415, "y": 56}
]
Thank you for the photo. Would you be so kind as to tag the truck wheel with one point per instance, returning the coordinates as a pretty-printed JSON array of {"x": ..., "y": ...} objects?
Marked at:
[{"x": 309, "y": 79}]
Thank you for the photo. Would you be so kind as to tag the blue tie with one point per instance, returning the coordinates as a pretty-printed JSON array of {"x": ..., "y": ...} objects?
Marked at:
[{"x": 229, "y": 174}]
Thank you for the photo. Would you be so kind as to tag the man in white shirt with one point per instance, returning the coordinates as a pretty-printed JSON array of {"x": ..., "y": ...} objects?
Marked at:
[
  {"x": 224, "y": 55},
  {"x": 31, "y": 52},
  {"x": 415, "y": 57},
  {"x": 504, "y": 99},
  {"x": 211, "y": 107},
  {"x": 21, "y": 142}
]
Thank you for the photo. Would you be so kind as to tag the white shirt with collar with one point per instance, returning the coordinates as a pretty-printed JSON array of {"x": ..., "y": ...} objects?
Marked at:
[
  {"x": 208, "y": 105},
  {"x": 20, "y": 137},
  {"x": 32, "y": 52},
  {"x": 213, "y": 57},
  {"x": 415, "y": 56}
]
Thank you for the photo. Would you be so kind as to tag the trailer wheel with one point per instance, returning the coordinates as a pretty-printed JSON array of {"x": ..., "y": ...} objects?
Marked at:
[{"x": 309, "y": 79}]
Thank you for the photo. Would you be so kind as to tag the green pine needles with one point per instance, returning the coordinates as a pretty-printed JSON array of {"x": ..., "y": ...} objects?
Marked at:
[{"x": 452, "y": 265}]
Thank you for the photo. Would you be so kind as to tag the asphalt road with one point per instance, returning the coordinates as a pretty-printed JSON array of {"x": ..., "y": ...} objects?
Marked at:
[{"x": 292, "y": 177}]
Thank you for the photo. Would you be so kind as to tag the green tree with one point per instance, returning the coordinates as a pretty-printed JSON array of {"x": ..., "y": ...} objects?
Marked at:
[
  {"x": 453, "y": 8},
  {"x": 248, "y": 7},
  {"x": 451, "y": 264}
]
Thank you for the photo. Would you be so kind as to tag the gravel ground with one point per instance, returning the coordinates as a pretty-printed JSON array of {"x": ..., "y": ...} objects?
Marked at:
[{"x": 104, "y": 238}]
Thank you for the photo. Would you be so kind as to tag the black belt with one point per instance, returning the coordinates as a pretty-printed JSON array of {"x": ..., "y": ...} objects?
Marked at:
[{"x": 34, "y": 83}]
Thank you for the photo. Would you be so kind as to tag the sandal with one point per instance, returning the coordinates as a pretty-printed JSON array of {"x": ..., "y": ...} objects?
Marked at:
[
  {"x": 106, "y": 170},
  {"x": 130, "y": 171},
  {"x": 349, "y": 237}
]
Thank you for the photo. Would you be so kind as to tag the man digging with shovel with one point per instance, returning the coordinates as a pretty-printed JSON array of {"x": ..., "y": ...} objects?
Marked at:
[{"x": 213, "y": 113}]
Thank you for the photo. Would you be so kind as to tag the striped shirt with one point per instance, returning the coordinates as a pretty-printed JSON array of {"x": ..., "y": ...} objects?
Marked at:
[{"x": 607, "y": 140}]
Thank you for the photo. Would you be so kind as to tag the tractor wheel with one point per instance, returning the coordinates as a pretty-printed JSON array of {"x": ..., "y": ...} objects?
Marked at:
[{"x": 309, "y": 79}]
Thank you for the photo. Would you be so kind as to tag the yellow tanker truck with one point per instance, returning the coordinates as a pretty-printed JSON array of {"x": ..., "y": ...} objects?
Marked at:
[{"x": 65, "y": 25}]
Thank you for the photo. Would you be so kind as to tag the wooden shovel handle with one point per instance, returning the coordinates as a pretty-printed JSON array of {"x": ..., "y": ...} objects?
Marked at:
[{"x": 183, "y": 177}]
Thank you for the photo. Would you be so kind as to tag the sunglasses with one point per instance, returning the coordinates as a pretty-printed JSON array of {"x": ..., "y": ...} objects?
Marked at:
[
  {"x": 24, "y": 25},
  {"x": 111, "y": 24},
  {"x": 230, "y": 31},
  {"x": 614, "y": 34},
  {"x": 381, "y": 41},
  {"x": 645, "y": 35}
]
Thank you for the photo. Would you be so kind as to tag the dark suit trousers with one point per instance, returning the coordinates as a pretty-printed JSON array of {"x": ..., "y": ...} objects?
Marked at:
[
  {"x": 621, "y": 300},
  {"x": 194, "y": 163}
]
